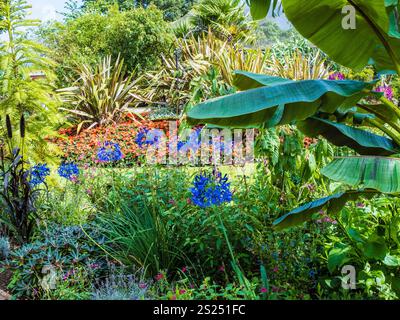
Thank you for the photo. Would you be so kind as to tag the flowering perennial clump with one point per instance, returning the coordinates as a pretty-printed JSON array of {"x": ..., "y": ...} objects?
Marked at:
[
  {"x": 110, "y": 152},
  {"x": 68, "y": 170},
  {"x": 38, "y": 174},
  {"x": 210, "y": 189}
]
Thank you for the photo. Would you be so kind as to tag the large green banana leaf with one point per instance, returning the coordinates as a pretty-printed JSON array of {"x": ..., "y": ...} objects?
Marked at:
[
  {"x": 393, "y": 9},
  {"x": 260, "y": 8},
  {"x": 378, "y": 173},
  {"x": 244, "y": 80},
  {"x": 284, "y": 102},
  {"x": 320, "y": 21},
  {"x": 363, "y": 142},
  {"x": 333, "y": 204}
]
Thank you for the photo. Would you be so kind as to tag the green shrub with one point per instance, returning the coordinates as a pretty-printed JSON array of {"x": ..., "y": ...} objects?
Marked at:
[
  {"x": 62, "y": 259},
  {"x": 140, "y": 36}
]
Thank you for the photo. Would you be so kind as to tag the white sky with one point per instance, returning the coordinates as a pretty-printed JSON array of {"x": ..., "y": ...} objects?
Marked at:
[{"x": 46, "y": 9}]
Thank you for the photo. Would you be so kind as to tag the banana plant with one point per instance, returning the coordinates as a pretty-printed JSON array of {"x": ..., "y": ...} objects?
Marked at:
[{"x": 346, "y": 113}]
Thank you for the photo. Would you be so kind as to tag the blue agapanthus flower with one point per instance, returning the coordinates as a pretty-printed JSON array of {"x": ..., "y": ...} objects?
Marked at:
[
  {"x": 38, "y": 174},
  {"x": 145, "y": 137},
  {"x": 68, "y": 170},
  {"x": 210, "y": 190},
  {"x": 110, "y": 152}
]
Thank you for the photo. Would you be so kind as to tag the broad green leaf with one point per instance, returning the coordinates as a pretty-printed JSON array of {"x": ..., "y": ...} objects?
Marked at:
[
  {"x": 363, "y": 142},
  {"x": 382, "y": 111},
  {"x": 393, "y": 9},
  {"x": 320, "y": 21},
  {"x": 299, "y": 100},
  {"x": 260, "y": 8},
  {"x": 355, "y": 235},
  {"x": 376, "y": 249},
  {"x": 378, "y": 173},
  {"x": 391, "y": 261},
  {"x": 333, "y": 204},
  {"x": 244, "y": 80},
  {"x": 338, "y": 256}
]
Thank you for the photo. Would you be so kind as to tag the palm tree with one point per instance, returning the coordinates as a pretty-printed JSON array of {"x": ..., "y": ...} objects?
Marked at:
[{"x": 225, "y": 18}]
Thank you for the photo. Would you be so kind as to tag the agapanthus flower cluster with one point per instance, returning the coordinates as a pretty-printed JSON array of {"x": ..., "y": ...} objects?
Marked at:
[
  {"x": 193, "y": 141},
  {"x": 68, "y": 170},
  {"x": 210, "y": 190},
  {"x": 109, "y": 152},
  {"x": 144, "y": 138},
  {"x": 38, "y": 174},
  {"x": 337, "y": 76},
  {"x": 387, "y": 90}
]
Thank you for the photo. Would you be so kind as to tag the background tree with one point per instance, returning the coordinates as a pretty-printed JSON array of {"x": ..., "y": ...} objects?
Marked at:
[
  {"x": 226, "y": 18},
  {"x": 140, "y": 36},
  {"x": 172, "y": 9},
  {"x": 20, "y": 59}
]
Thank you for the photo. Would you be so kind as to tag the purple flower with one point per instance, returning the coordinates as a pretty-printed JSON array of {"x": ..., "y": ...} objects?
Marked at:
[
  {"x": 146, "y": 137},
  {"x": 210, "y": 189},
  {"x": 110, "y": 152},
  {"x": 387, "y": 90},
  {"x": 337, "y": 76},
  {"x": 38, "y": 174},
  {"x": 68, "y": 170}
]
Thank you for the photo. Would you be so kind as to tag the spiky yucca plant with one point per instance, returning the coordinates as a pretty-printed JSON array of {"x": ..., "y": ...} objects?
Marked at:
[
  {"x": 193, "y": 59},
  {"x": 102, "y": 94},
  {"x": 296, "y": 66}
]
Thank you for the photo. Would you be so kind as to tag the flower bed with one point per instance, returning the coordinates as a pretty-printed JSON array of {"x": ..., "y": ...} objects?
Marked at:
[{"x": 83, "y": 147}]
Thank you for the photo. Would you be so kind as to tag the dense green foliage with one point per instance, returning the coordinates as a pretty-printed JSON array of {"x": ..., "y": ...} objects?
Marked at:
[
  {"x": 172, "y": 9},
  {"x": 139, "y": 36}
]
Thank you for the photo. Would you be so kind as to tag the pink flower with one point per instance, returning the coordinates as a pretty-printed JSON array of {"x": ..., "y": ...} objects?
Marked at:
[
  {"x": 275, "y": 289},
  {"x": 184, "y": 269},
  {"x": 263, "y": 290},
  {"x": 276, "y": 269},
  {"x": 159, "y": 277},
  {"x": 360, "y": 205},
  {"x": 142, "y": 285},
  {"x": 387, "y": 90},
  {"x": 74, "y": 179},
  {"x": 182, "y": 291},
  {"x": 221, "y": 268}
]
